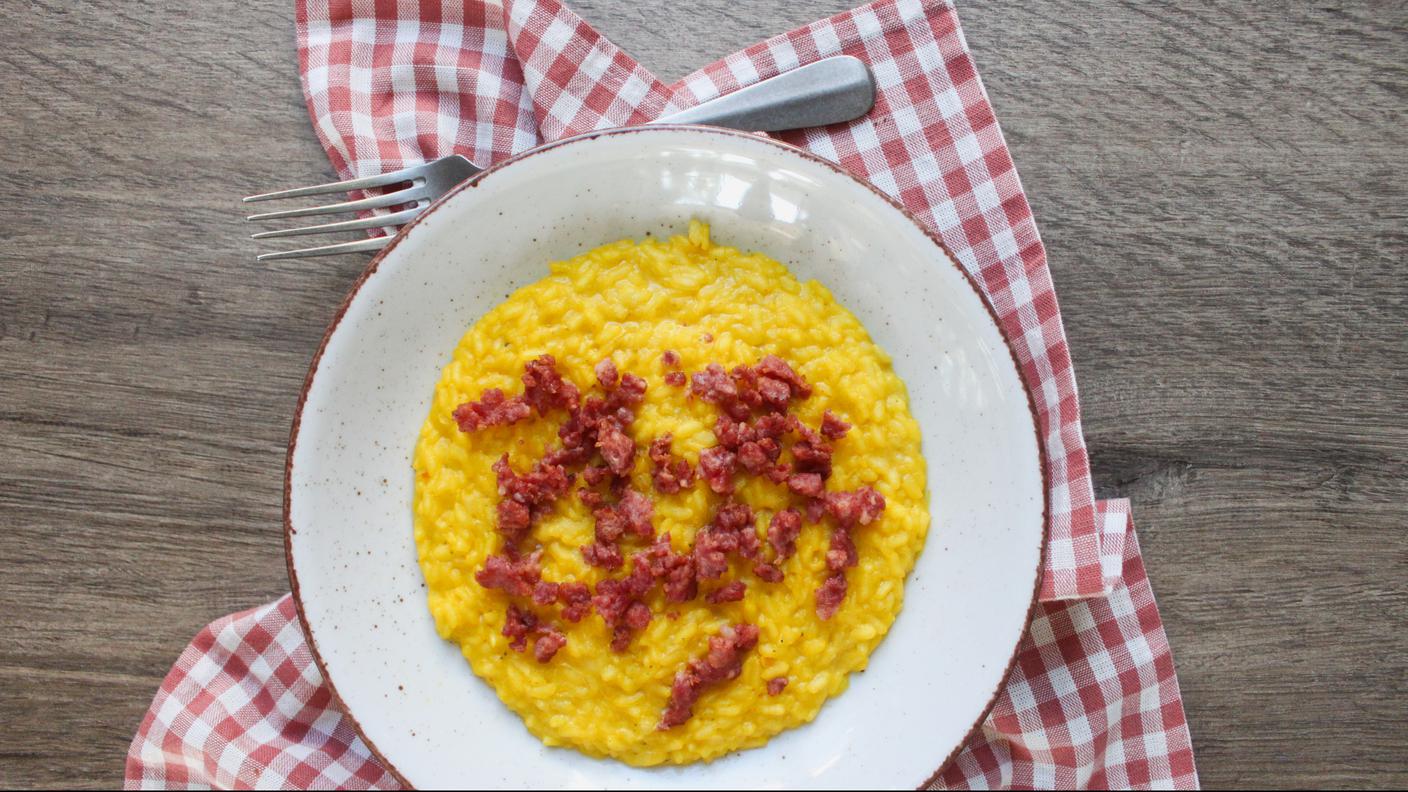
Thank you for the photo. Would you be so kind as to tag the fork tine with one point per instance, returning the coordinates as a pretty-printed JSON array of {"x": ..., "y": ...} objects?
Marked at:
[
  {"x": 379, "y": 221},
  {"x": 382, "y": 180},
  {"x": 376, "y": 243},
  {"x": 408, "y": 195}
]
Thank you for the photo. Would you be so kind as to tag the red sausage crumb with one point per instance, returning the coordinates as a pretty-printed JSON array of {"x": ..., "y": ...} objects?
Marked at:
[
  {"x": 711, "y": 550},
  {"x": 532, "y": 492},
  {"x": 550, "y": 639},
  {"x": 812, "y": 458},
  {"x": 606, "y": 556},
  {"x": 723, "y": 662},
  {"x": 631, "y": 515},
  {"x": 636, "y": 512},
  {"x": 671, "y": 473},
  {"x": 779, "y": 369},
  {"x": 767, "y": 572},
  {"x": 576, "y": 599},
  {"x": 776, "y": 685},
  {"x": 713, "y": 385},
  {"x": 757, "y": 457},
  {"x": 521, "y": 625},
  {"x": 783, "y": 530},
  {"x": 545, "y": 593},
  {"x": 830, "y": 595},
  {"x": 807, "y": 484},
  {"x": 738, "y": 518},
  {"x": 492, "y": 409},
  {"x": 833, "y": 428},
  {"x": 610, "y": 525},
  {"x": 732, "y": 531},
  {"x": 600, "y": 424},
  {"x": 630, "y": 392},
  {"x": 545, "y": 389},
  {"x": 681, "y": 581},
  {"x": 670, "y": 358},
  {"x": 514, "y": 521},
  {"x": 732, "y": 591},
  {"x": 606, "y": 374},
  {"x": 731, "y": 434},
  {"x": 590, "y": 498},
  {"x": 514, "y": 576},
  {"x": 518, "y": 625},
  {"x": 674, "y": 570},
  {"x": 772, "y": 426},
  {"x": 593, "y": 475},
  {"x": 612, "y": 601},
  {"x": 842, "y": 553},
  {"x": 638, "y": 616},
  {"x": 745, "y": 379},
  {"x": 855, "y": 507},
  {"x": 716, "y": 467},
  {"x": 778, "y": 474},
  {"x": 540, "y": 485},
  {"x": 618, "y": 600},
  {"x": 676, "y": 379},
  {"x": 617, "y": 448},
  {"x": 774, "y": 393}
]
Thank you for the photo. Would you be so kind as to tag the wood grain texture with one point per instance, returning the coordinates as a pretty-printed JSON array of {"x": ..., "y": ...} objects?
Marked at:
[{"x": 1220, "y": 186}]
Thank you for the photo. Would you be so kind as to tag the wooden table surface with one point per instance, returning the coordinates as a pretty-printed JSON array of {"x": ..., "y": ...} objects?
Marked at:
[{"x": 1221, "y": 187}]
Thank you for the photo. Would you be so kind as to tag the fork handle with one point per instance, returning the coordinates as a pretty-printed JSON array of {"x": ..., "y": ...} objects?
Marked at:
[{"x": 829, "y": 91}]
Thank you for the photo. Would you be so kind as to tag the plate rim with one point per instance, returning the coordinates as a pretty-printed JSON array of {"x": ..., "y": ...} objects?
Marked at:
[{"x": 472, "y": 182}]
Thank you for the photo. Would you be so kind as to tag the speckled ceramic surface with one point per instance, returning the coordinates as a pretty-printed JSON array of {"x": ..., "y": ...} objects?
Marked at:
[{"x": 349, "y": 485}]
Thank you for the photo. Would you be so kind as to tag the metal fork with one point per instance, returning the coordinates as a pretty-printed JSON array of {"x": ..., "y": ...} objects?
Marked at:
[{"x": 829, "y": 91}]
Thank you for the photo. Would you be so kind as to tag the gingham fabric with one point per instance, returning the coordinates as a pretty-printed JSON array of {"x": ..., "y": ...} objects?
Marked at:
[{"x": 1093, "y": 700}]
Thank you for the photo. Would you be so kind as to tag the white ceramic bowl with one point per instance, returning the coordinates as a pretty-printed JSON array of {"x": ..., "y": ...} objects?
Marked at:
[{"x": 352, "y": 558}]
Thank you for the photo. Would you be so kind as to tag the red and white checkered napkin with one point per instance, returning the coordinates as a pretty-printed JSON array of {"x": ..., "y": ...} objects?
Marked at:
[{"x": 1093, "y": 700}]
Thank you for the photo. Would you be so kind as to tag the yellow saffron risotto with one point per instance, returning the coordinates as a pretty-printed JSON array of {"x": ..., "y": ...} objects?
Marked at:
[{"x": 632, "y": 301}]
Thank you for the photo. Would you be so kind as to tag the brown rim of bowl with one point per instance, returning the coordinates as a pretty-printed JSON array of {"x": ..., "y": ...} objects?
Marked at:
[{"x": 473, "y": 182}]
